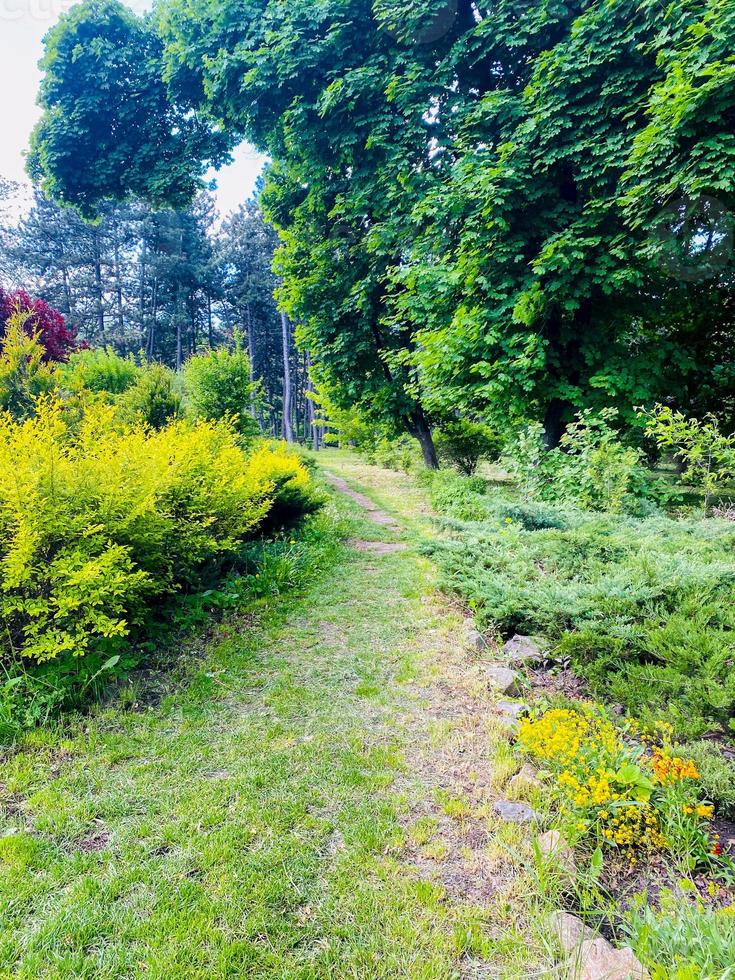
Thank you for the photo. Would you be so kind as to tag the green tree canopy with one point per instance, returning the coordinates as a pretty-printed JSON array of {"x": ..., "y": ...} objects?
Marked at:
[
  {"x": 111, "y": 128},
  {"x": 517, "y": 208}
]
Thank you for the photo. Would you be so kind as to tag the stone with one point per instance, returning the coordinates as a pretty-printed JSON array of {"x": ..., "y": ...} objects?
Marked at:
[
  {"x": 524, "y": 650},
  {"x": 515, "y": 812},
  {"x": 514, "y": 709},
  {"x": 503, "y": 679},
  {"x": 511, "y": 725},
  {"x": 525, "y": 780},
  {"x": 475, "y": 640},
  {"x": 598, "y": 960},
  {"x": 552, "y": 845},
  {"x": 568, "y": 931}
]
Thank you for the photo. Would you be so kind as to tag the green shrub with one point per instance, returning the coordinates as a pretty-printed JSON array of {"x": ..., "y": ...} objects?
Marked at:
[
  {"x": 457, "y": 496},
  {"x": 707, "y": 455},
  {"x": 100, "y": 524},
  {"x": 463, "y": 444},
  {"x": 401, "y": 453},
  {"x": 152, "y": 399},
  {"x": 643, "y": 607},
  {"x": 219, "y": 386},
  {"x": 98, "y": 370},
  {"x": 717, "y": 774},
  {"x": 684, "y": 940},
  {"x": 591, "y": 468}
]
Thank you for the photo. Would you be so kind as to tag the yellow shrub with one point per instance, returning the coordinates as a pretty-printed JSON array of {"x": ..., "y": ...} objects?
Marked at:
[
  {"x": 97, "y": 522},
  {"x": 293, "y": 491}
]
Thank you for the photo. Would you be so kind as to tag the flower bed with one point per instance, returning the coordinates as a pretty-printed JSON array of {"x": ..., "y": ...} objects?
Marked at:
[{"x": 624, "y": 789}]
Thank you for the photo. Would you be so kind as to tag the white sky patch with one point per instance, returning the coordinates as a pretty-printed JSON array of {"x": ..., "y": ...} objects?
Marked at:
[{"x": 23, "y": 24}]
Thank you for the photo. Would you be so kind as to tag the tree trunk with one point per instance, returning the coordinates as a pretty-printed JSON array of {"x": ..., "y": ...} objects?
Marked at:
[
  {"x": 141, "y": 298},
  {"x": 67, "y": 291},
  {"x": 154, "y": 321},
  {"x": 310, "y": 413},
  {"x": 287, "y": 395},
  {"x": 251, "y": 366},
  {"x": 118, "y": 282},
  {"x": 419, "y": 429},
  {"x": 179, "y": 350},
  {"x": 98, "y": 288},
  {"x": 554, "y": 423}
]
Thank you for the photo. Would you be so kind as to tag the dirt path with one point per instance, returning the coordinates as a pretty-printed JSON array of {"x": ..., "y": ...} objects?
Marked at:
[
  {"x": 458, "y": 761},
  {"x": 374, "y": 512}
]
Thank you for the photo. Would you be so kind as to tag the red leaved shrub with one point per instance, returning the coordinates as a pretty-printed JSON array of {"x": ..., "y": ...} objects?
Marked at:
[{"x": 55, "y": 336}]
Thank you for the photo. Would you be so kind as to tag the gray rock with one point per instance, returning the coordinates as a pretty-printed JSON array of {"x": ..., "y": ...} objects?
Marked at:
[
  {"x": 598, "y": 960},
  {"x": 525, "y": 650},
  {"x": 513, "y": 709},
  {"x": 511, "y": 725},
  {"x": 524, "y": 781},
  {"x": 503, "y": 679},
  {"x": 475, "y": 640},
  {"x": 515, "y": 812},
  {"x": 568, "y": 931},
  {"x": 552, "y": 845}
]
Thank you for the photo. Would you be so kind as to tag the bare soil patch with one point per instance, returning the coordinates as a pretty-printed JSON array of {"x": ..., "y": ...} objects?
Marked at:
[
  {"x": 376, "y": 547},
  {"x": 375, "y": 514}
]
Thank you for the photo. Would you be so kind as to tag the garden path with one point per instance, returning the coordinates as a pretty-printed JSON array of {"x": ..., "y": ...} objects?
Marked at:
[{"x": 312, "y": 800}]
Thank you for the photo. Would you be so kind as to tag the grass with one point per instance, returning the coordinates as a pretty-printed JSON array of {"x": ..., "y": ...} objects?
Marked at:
[{"x": 255, "y": 821}]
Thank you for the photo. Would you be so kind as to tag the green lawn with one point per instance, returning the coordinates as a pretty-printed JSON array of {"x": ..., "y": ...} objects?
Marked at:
[{"x": 260, "y": 820}]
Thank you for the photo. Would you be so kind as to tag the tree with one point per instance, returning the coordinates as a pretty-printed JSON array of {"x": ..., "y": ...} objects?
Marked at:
[
  {"x": 106, "y": 101},
  {"x": 245, "y": 248},
  {"x": 373, "y": 378},
  {"x": 135, "y": 278},
  {"x": 219, "y": 385},
  {"x": 476, "y": 209}
]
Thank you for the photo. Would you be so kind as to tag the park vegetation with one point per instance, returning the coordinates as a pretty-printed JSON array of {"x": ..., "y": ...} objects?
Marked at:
[
  {"x": 124, "y": 489},
  {"x": 493, "y": 248}
]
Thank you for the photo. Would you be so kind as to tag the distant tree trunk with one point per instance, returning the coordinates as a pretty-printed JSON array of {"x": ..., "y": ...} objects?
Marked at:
[
  {"x": 99, "y": 305},
  {"x": 67, "y": 290},
  {"x": 141, "y": 296},
  {"x": 154, "y": 321},
  {"x": 310, "y": 414},
  {"x": 118, "y": 283},
  {"x": 179, "y": 349},
  {"x": 419, "y": 429},
  {"x": 287, "y": 394},
  {"x": 251, "y": 363},
  {"x": 251, "y": 340},
  {"x": 210, "y": 332}
]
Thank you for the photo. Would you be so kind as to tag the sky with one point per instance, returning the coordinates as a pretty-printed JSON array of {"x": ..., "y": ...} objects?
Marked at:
[{"x": 23, "y": 24}]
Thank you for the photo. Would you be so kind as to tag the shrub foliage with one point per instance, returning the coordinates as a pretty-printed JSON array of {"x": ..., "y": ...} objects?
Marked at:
[
  {"x": 101, "y": 522},
  {"x": 643, "y": 607}
]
